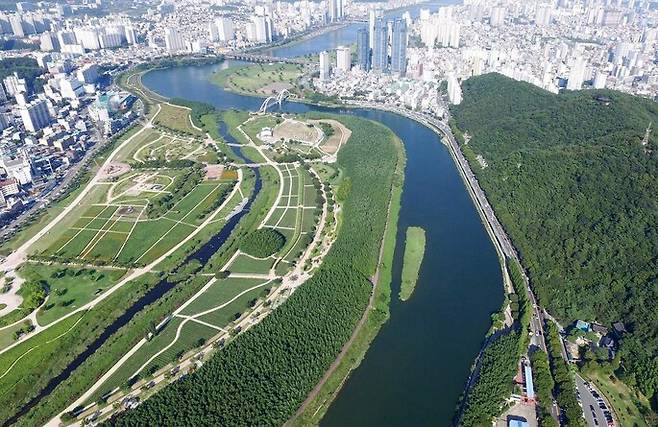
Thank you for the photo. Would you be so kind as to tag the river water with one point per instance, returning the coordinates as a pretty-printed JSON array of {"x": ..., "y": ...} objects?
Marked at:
[{"x": 417, "y": 366}]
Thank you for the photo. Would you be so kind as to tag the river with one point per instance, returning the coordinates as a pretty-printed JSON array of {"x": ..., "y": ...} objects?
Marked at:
[{"x": 417, "y": 366}]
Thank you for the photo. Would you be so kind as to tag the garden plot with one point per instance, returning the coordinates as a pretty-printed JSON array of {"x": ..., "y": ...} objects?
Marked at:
[
  {"x": 120, "y": 231},
  {"x": 296, "y": 213}
]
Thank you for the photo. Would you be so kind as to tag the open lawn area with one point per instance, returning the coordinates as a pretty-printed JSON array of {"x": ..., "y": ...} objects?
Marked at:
[
  {"x": 69, "y": 287},
  {"x": 119, "y": 232},
  {"x": 176, "y": 118},
  {"x": 260, "y": 79}
]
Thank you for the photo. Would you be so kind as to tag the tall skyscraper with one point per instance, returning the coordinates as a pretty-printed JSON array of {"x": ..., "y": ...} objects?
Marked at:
[
  {"x": 380, "y": 49},
  {"x": 225, "y": 29},
  {"x": 399, "y": 47},
  {"x": 49, "y": 42},
  {"x": 363, "y": 49},
  {"x": 336, "y": 10},
  {"x": 543, "y": 16},
  {"x": 454, "y": 90},
  {"x": 324, "y": 66},
  {"x": 372, "y": 17},
  {"x": 343, "y": 58},
  {"x": 263, "y": 27}
]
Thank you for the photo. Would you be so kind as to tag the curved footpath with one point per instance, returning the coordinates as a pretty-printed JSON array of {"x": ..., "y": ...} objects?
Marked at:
[{"x": 19, "y": 256}]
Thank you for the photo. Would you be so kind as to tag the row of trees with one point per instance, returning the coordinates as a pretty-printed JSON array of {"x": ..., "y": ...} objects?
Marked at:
[
  {"x": 565, "y": 386},
  {"x": 261, "y": 378},
  {"x": 494, "y": 383},
  {"x": 576, "y": 190}
]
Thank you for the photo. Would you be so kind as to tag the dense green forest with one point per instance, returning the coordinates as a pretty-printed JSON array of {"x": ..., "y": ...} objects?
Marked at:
[
  {"x": 577, "y": 191},
  {"x": 262, "y": 377},
  {"x": 494, "y": 382},
  {"x": 263, "y": 242}
]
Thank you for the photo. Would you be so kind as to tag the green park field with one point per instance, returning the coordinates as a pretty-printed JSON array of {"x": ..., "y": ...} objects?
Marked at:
[{"x": 261, "y": 79}]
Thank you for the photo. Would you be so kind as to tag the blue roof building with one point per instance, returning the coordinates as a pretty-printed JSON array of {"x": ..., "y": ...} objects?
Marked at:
[
  {"x": 529, "y": 385},
  {"x": 583, "y": 326},
  {"x": 517, "y": 423}
]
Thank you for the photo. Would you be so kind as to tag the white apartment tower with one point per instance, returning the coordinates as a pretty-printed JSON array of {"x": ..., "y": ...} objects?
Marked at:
[
  {"x": 324, "y": 66},
  {"x": 173, "y": 41},
  {"x": 343, "y": 58},
  {"x": 35, "y": 115}
]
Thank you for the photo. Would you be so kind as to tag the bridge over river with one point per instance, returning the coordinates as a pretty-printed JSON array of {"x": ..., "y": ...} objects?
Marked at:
[{"x": 250, "y": 57}]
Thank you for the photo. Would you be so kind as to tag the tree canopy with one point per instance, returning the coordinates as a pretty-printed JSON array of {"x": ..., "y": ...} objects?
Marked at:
[{"x": 574, "y": 183}]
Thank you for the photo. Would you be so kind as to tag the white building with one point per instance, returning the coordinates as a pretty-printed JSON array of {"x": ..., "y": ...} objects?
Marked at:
[
  {"x": 35, "y": 115},
  {"x": 173, "y": 41},
  {"x": 88, "y": 73},
  {"x": 454, "y": 90},
  {"x": 325, "y": 67},
  {"x": 225, "y": 29},
  {"x": 343, "y": 58},
  {"x": 577, "y": 74}
]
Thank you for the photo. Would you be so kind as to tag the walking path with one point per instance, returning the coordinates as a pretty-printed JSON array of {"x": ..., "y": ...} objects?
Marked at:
[
  {"x": 137, "y": 272},
  {"x": 17, "y": 257}
]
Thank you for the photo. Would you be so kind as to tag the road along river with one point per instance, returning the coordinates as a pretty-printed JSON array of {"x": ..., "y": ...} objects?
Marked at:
[{"x": 417, "y": 366}]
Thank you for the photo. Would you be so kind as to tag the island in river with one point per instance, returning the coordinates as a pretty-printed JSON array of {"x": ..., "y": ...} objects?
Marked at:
[{"x": 414, "y": 251}]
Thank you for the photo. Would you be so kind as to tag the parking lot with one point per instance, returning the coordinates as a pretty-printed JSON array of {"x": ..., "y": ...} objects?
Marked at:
[{"x": 596, "y": 410}]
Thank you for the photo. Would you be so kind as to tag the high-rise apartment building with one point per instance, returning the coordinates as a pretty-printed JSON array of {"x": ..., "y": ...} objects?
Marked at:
[
  {"x": 380, "y": 49},
  {"x": 497, "y": 16},
  {"x": 363, "y": 49},
  {"x": 343, "y": 58},
  {"x": 399, "y": 47},
  {"x": 225, "y": 30},
  {"x": 35, "y": 115},
  {"x": 325, "y": 67},
  {"x": 173, "y": 41}
]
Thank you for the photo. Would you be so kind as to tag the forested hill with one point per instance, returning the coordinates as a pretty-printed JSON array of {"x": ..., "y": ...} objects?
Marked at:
[{"x": 578, "y": 192}]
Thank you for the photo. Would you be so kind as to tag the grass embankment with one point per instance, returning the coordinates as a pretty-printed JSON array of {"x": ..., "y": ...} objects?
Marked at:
[
  {"x": 261, "y": 79},
  {"x": 414, "y": 250}
]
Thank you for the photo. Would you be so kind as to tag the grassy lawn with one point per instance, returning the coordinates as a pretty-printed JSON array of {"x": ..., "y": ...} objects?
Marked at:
[
  {"x": 628, "y": 405},
  {"x": 414, "y": 250},
  {"x": 175, "y": 118},
  {"x": 156, "y": 247},
  {"x": 70, "y": 287},
  {"x": 261, "y": 79},
  {"x": 29, "y": 356},
  {"x": 253, "y": 155},
  {"x": 246, "y": 264},
  {"x": 7, "y": 335},
  {"x": 254, "y": 126},
  {"x": 221, "y": 292},
  {"x": 192, "y": 335},
  {"x": 231, "y": 312}
]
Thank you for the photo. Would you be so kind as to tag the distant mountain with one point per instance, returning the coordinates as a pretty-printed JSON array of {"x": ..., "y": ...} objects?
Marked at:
[{"x": 574, "y": 179}]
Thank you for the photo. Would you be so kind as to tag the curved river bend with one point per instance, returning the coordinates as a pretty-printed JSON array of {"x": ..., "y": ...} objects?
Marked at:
[{"x": 418, "y": 364}]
